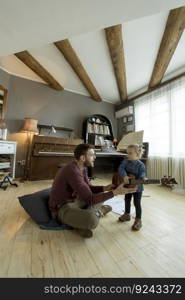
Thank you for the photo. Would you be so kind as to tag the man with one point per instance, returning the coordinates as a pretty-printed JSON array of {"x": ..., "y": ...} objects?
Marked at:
[{"x": 74, "y": 201}]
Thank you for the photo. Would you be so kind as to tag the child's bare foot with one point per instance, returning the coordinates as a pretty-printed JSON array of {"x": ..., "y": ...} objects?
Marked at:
[
  {"x": 137, "y": 225},
  {"x": 124, "y": 218}
]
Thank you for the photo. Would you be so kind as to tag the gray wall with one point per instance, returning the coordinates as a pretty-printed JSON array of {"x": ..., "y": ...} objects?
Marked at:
[
  {"x": 4, "y": 79},
  {"x": 27, "y": 98},
  {"x": 61, "y": 108}
]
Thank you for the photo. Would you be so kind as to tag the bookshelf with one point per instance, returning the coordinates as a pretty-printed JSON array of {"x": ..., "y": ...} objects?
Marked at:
[{"x": 97, "y": 131}]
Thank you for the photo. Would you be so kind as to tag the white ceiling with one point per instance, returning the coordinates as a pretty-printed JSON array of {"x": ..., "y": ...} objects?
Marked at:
[
  {"x": 141, "y": 39},
  {"x": 141, "y": 43},
  {"x": 26, "y": 24}
]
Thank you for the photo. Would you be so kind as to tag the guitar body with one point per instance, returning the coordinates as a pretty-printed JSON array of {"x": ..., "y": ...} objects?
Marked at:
[
  {"x": 117, "y": 179},
  {"x": 168, "y": 182}
]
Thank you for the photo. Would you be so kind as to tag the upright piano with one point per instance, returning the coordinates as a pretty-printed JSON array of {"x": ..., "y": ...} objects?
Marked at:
[
  {"x": 50, "y": 153},
  {"x": 47, "y": 153}
]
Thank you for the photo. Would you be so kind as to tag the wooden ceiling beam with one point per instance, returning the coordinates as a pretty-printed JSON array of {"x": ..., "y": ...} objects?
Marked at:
[
  {"x": 115, "y": 44},
  {"x": 172, "y": 34},
  {"x": 36, "y": 67},
  {"x": 71, "y": 57}
]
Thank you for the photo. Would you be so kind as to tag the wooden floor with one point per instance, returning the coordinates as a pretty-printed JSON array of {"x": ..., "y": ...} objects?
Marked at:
[{"x": 114, "y": 251}]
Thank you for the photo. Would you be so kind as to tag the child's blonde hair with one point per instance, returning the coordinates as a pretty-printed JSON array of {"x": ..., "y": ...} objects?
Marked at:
[{"x": 138, "y": 149}]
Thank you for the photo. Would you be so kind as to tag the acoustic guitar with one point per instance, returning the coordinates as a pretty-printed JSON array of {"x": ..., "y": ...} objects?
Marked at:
[{"x": 165, "y": 181}]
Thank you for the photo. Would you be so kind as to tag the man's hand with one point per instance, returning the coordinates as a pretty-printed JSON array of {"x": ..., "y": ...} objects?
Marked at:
[
  {"x": 109, "y": 187},
  {"x": 126, "y": 180},
  {"x": 121, "y": 190},
  {"x": 131, "y": 176}
]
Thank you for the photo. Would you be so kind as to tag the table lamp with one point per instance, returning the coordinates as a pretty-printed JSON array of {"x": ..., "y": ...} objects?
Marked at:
[{"x": 29, "y": 127}]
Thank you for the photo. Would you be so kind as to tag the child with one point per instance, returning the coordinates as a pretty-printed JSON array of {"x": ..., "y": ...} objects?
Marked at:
[{"x": 132, "y": 167}]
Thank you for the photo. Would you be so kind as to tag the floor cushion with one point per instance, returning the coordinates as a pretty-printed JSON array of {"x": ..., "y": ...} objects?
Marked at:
[{"x": 36, "y": 205}]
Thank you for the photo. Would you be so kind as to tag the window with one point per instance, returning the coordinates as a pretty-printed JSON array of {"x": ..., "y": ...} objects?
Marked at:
[{"x": 161, "y": 114}]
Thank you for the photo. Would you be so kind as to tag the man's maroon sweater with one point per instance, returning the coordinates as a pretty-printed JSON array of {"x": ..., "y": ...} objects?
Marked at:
[{"x": 72, "y": 182}]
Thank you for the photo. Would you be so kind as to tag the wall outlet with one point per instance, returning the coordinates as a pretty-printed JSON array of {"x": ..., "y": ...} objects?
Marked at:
[{"x": 22, "y": 162}]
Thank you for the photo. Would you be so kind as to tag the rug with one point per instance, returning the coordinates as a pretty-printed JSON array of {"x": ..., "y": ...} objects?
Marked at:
[{"x": 118, "y": 205}]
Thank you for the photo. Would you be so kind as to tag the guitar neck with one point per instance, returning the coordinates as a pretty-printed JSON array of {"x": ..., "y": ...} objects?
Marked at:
[{"x": 133, "y": 181}]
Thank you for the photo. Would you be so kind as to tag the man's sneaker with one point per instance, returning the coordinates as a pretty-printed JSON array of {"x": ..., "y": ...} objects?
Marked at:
[
  {"x": 86, "y": 233},
  {"x": 105, "y": 209},
  {"x": 124, "y": 218},
  {"x": 137, "y": 225}
]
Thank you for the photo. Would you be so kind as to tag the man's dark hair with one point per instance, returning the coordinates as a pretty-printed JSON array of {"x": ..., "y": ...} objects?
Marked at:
[{"x": 81, "y": 150}]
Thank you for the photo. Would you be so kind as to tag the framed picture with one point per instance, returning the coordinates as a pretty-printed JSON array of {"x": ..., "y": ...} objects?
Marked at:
[
  {"x": 130, "y": 128},
  {"x": 124, "y": 119},
  {"x": 130, "y": 118}
]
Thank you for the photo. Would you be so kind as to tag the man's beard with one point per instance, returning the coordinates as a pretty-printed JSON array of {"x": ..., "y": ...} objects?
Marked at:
[{"x": 88, "y": 164}]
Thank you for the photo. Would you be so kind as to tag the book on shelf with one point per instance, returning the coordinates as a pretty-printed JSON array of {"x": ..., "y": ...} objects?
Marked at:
[
  {"x": 4, "y": 165},
  {"x": 98, "y": 129}
]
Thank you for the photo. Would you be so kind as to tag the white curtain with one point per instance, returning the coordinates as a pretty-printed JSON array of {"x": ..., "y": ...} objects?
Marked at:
[{"x": 161, "y": 114}]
